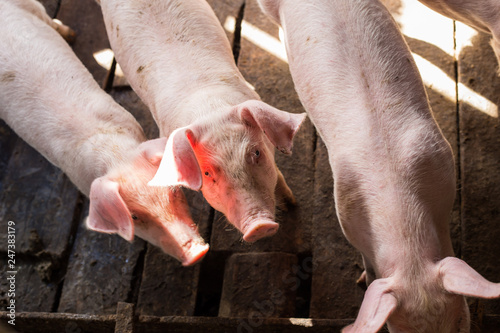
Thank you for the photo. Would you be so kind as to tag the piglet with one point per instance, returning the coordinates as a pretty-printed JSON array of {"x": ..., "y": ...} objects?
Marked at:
[
  {"x": 39, "y": 12},
  {"x": 50, "y": 100},
  {"x": 222, "y": 138},
  {"x": 394, "y": 178},
  {"x": 484, "y": 15}
]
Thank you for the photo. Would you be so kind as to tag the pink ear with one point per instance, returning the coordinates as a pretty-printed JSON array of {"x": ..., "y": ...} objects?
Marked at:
[
  {"x": 279, "y": 126},
  {"x": 460, "y": 278},
  {"x": 377, "y": 306},
  {"x": 179, "y": 165},
  {"x": 108, "y": 213},
  {"x": 153, "y": 150}
]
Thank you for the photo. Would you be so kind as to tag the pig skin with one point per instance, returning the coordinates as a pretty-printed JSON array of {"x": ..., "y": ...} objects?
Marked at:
[
  {"x": 222, "y": 138},
  {"x": 51, "y": 101},
  {"x": 394, "y": 179}
]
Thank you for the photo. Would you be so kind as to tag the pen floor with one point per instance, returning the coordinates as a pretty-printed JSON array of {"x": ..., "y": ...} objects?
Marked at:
[{"x": 303, "y": 279}]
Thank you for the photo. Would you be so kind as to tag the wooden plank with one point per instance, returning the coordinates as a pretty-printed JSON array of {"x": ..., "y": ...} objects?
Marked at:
[
  {"x": 480, "y": 155},
  {"x": 42, "y": 322},
  {"x": 491, "y": 323},
  {"x": 32, "y": 285},
  {"x": 41, "y": 200},
  {"x": 7, "y": 328},
  {"x": 277, "y": 90},
  {"x": 259, "y": 285},
  {"x": 125, "y": 318},
  {"x": 7, "y": 142},
  {"x": 101, "y": 272},
  {"x": 231, "y": 325},
  {"x": 210, "y": 284},
  {"x": 63, "y": 322},
  {"x": 85, "y": 18},
  {"x": 161, "y": 293}
]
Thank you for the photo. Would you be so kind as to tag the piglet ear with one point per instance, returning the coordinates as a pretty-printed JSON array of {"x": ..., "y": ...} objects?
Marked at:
[
  {"x": 179, "y": 165},
  {"x": 152, "y": 150},
  {"x": 279, "y": 126},
  {"x": 459, "y": 278},
  {"x": 377, "y": 306},
  {"x": 108, "y": 212}
]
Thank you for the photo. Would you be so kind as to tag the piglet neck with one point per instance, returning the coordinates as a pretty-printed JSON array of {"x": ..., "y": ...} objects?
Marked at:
[
  {"x": 206, "y": 101},
  {"x": 112, "y": 141}
]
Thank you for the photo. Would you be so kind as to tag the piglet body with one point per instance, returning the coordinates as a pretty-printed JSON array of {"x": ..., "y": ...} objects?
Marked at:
[
  {"x": 51, "y": 101},
  {"x": 484, "y": 15},
  {"x": 221, "y": 137},
  {"x": 394, "y": 180}
]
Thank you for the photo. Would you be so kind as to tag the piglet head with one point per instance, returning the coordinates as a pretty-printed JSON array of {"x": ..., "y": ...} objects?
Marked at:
[
  {"x": 231, "y": 158},
  {"x": 434, "y": 302},
  {"x": 122, "y": 203}
]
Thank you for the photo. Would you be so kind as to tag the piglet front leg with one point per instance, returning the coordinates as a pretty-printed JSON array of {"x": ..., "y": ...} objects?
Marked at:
[{"x": 36, "y": 9}]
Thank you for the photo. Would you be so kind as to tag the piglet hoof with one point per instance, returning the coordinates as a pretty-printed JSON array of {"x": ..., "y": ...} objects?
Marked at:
[
  {"x": 260, "y": 229},
  {"x": 284, "y": 192},
  {"x": 290, "y": 201},
  {"x": 285, "y": 201},
  {"x": 195, "y": 254},
  {"x": 361, "y": 281},
  {"x": 66, "y": 32}
]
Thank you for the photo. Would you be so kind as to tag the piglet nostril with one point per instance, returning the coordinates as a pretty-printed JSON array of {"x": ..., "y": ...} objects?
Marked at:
[
  {"x": 259, "y": 229},
  {"x": 195, "y": 253}
]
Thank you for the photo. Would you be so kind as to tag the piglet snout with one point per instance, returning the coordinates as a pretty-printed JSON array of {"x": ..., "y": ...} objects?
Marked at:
[
  {"x": 259, "y": 228},
  {"x": 194, "y": 254}
]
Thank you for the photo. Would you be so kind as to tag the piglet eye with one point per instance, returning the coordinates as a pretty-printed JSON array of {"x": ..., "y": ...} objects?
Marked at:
[
  {"x": 207, "y": 173},
  {"x": 134, "y": 217},
  {"x": 254, "y": 156}
]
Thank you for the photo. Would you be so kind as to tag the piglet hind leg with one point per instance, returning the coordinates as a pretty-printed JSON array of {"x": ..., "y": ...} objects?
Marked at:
[
  {"x": 37, "y": 9},
  {"x": 66, "y": 32},
  {"x": 283, "y": 191}
]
